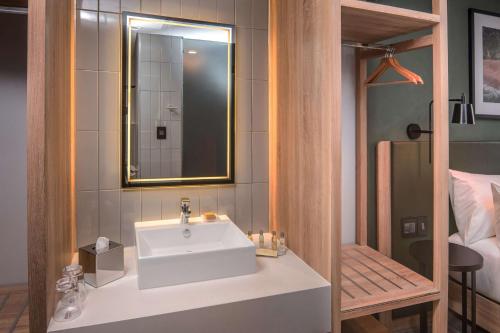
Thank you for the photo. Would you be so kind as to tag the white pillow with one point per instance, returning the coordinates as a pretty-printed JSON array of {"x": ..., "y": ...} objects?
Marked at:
[
  {"x": 495, "y": 188},
  {"x": 472, "y": 203},
  {"x": 472, "y": 176}
]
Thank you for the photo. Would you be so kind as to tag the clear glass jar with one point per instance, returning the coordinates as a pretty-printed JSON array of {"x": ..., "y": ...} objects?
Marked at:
[
  {"x": 76, "y": 272},
  {"x": 69, "y": 307}
]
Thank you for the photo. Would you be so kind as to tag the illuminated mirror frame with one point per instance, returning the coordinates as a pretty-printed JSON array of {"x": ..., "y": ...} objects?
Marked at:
[{"x": 127, "y": 21}]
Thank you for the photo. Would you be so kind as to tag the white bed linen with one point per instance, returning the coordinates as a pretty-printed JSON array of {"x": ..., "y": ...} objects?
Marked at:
[{"x": 487, "y": 278}]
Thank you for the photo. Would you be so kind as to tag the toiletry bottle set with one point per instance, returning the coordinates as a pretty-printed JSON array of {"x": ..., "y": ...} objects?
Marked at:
[{"x": 277, "y": 244}]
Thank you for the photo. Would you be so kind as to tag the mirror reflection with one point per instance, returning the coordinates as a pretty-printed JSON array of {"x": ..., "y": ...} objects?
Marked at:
[{"x": 178, "y": 96}]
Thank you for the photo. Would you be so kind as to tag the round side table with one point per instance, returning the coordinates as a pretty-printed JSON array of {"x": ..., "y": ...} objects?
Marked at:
[
  {"x": 461, "y": 259},
  {"x": 465, "y": 260}
]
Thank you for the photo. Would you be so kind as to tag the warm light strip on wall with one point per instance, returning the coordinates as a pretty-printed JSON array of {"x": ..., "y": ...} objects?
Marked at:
[{"x": 130, "y": 20}]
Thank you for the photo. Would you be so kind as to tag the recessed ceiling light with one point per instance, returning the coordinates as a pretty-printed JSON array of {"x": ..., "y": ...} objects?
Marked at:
[{"x": 192, "y": 52}]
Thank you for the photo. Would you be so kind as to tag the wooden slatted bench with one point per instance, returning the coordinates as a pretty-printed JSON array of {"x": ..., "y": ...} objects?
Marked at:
[{"x": 373, "y": 283}]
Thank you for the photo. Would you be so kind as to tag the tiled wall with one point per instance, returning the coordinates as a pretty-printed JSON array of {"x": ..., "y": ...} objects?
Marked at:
[
  {"x": 103, "y": 208},
  {"x": 159, "y": 91}
]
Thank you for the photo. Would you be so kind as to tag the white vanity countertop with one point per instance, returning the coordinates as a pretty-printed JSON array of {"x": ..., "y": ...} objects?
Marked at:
[{"x": 122, "y": 300}]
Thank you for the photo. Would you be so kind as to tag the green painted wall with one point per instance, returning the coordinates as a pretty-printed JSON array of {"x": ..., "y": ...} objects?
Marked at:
[{"x": 391, "y": 109}]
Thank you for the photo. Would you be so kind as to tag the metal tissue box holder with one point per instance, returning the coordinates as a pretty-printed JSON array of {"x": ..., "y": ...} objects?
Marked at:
[{"x": 102, "y": 268}]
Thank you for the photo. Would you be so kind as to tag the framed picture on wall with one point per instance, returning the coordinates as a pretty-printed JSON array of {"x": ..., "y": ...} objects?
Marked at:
[{"x": 484, "y": 30}]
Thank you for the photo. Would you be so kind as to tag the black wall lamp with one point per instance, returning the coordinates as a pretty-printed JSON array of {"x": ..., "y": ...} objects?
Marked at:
[{"x": 463, "y": 114}]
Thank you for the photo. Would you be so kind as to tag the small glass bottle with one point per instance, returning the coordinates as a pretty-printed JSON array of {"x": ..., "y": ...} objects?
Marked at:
[
  {"x": 274, "y": 241},
  {"x": 76, "y": 272},
  {"x": 69, "y": 307},
  {"x": 249, "y": 235},
  {"x": 281, "y": 245},
  {"x": 261, "y": 239}
]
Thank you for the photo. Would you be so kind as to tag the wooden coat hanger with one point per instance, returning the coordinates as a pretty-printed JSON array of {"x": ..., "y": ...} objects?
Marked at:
[{"x": 390, "y": 62}]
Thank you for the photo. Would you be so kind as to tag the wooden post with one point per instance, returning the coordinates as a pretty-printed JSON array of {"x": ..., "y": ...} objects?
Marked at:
[
  {"x": 50, "y": 127},
  {"x": 440, "y": 167},
  {"x": 305, "y": 133},
  {"x": 336, "y": 163},
  {"x": 361, "y": 150}
]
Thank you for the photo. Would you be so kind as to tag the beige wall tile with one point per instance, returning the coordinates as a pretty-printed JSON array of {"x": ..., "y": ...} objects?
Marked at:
[
  {"x": 86, "y": 40},
  {"x": 109, "y": 215},
  {"x": 243, "y": 10},
  {"x": 87, "y": 217},
  {"x": 260, "y": 157},
  {"x": 190, "y": 9},
  {"x": 109, "y": 6},
  {"x": 208, "y": 10},
  {"x": 244, "y": 207},
  {"x": 109, "y": 42},
  {"x": 151, "y": 6},
  {"x": 151, "y": 200},
  {"x": 87, "y": 4},
  {"x": 208, "y": 200},
  {"x": 171, "y": 8},
  {"x": 260, "y": 114},
  {"x": 130, "y": 213},
  {"x": 243, "y": 53},
  {"x": 131, "y": 5},
  {"x": 246, "y": 203},
  {"x": 87, "y": 174},
  {"x": 243, "y": 105},
  {"x": 260, "y": 13},
  {"x": 109, "y": 160},
  {"x": 109, "y": 101},
  {"x": 260, "y": 207},
  {"x": 226, "y": 201},
  {"x": 259, "y": 55},
  {"x": 86, "y": 100},
  {"x": 243, "y": 158},
  {"x": 225, "y": 11}
]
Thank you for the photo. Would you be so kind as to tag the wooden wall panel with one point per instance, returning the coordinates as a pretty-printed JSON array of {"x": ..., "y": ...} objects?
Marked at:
[
  {"x": 50, "y": 153},
  {"x": 384, "y": 197},
  {"x": 305, "y": 133}
]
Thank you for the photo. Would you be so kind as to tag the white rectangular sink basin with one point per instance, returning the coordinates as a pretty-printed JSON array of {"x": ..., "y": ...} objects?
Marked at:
[{"x": 169, "y": 253}]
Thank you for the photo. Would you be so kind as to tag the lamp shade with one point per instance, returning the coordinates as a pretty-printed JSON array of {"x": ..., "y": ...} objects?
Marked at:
[{"x": 463, "y": 114}]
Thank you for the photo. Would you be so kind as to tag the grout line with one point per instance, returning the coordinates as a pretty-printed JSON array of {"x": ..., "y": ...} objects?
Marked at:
[
  {"x": 98, "y": 125},
  {"x": 4, "y": 301},
  {"x": 18, "y": 316}
]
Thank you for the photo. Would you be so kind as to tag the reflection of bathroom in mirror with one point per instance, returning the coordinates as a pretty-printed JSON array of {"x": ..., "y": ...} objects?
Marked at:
[{"x": 178, "y": 115}]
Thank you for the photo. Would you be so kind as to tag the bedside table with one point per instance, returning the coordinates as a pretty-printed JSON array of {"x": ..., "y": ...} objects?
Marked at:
[{"x": 461, "y": 259}]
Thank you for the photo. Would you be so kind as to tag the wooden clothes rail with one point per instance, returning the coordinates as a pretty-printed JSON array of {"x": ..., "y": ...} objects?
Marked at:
[{"x": 305, "y": 149}]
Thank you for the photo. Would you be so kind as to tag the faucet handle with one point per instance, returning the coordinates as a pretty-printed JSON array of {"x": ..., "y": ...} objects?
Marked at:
[{"x": 185, "y": 205}]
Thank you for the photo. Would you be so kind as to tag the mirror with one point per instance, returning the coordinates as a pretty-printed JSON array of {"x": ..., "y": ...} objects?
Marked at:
[{"x": 178, "y": 98}]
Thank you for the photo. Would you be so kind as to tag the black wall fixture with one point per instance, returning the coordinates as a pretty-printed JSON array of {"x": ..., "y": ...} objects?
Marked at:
[{"x": 463, "y": 114}]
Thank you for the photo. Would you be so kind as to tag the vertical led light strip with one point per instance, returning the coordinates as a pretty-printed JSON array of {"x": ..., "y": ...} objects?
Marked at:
[
  {"x": 230, "y": 142},
  {"x": 129, "y": 92},
  {"x": 229, "y": 100}
]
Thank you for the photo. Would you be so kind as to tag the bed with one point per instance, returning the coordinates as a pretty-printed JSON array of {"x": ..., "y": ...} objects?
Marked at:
[{"x": 406, "y": 169}]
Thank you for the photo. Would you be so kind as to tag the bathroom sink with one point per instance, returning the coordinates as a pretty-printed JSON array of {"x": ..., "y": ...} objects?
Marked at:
[{"x": 169, "y": 253}]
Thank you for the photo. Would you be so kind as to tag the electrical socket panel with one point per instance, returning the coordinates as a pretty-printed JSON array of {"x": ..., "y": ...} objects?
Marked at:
[{"x": 412, "y": 227}]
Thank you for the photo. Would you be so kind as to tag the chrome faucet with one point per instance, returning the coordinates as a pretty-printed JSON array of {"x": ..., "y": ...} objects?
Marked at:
[{"x": 185, "y": 210}]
